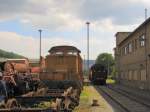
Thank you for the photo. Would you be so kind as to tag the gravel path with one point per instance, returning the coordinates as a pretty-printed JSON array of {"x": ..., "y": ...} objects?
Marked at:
[{"x": 88, "y": 94}]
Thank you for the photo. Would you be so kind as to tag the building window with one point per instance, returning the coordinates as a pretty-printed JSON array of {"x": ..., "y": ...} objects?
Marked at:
[
  {"x": 142, "y": 40},
  {"x": 130, "y": 75},
  {"x": 135, "y": 44},
  {"x": 143, "y": 74},
  {"x": 122, "y": 51},
  {"x": 125, "y": 50},
  {"x": 130, "y": 47},
  {"x": 135, "y": 73}
]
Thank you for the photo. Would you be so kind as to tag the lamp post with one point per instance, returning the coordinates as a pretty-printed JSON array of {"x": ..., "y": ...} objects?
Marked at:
[
  {"x": 145, "y": 39},
  {"x": 40, "y": 31},
  {"x": 84, "y": 64},
  {"x": 88, "y": 24}
]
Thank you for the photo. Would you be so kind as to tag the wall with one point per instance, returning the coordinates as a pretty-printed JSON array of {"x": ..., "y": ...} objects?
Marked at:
[{"x": 131, "y": 66}]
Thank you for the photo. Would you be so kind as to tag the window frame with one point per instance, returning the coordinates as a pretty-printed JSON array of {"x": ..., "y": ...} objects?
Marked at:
[
  {"x": 142, "y": 40},
  {"x": 130, "y": 47}
]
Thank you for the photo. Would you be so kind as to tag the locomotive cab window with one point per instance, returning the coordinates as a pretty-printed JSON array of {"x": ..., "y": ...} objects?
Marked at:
[
  {"x": 59, "y": 53},
  {"x": 72, "y": 53}
]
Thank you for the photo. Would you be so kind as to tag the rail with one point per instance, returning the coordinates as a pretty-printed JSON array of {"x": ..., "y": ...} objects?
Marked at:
[
  {"x": 126, "y": 102},
  {"x": 127, "y": 94},
  {"x": 112, "y": 98}
]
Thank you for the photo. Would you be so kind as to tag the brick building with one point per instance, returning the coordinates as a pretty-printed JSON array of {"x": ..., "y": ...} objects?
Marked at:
[{"x": 132, "y": 54}]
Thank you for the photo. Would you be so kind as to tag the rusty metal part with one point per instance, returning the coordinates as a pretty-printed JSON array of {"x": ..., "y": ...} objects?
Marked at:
[
  {"x": 20, "y": 65},
  {"x": 61, "y": 100},
  {"x": 55, "y": 92},
  {"x": 21, "y": 68},
  {"x": 95, "y": 102},
  {"x": 26, "y": 110},
  {"x": 11, "y": 103}
]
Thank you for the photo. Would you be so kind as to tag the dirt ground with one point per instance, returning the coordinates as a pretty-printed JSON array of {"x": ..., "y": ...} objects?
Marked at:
[{"x": 88, "y": 94}]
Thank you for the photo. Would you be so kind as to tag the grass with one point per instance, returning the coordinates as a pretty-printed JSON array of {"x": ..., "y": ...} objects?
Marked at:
[
  {"x": 84, "y": 100},
  {"x": 44, "y": 104},
  {"x": 85, "y": 94},
  {"x": 86, "y": 97},
  {"x": 110, "y": 81}
]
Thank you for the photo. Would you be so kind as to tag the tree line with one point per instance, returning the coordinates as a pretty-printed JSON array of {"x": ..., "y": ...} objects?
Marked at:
[
  {"x": 107, "y": 60},
  {"x": 5, "y": 54}
]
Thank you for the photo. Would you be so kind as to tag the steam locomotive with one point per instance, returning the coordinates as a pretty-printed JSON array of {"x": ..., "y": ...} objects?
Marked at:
[{"x": 98, "y": 74}]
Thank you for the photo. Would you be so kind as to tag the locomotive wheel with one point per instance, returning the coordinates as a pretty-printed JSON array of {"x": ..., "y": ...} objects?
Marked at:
[
  {"x": 2, "y": 106},
  {"x": 104, "y": 82},
  {"x": 12, "y": 103}
]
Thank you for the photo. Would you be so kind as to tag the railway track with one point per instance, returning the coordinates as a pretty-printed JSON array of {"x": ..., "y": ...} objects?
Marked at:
[
  {"x": 131, "y": 96},
  {"x": 126, "y": 102}
]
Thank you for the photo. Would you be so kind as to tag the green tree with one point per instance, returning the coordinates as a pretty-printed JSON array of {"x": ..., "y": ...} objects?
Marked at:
[{"x": 107, "y": 60}]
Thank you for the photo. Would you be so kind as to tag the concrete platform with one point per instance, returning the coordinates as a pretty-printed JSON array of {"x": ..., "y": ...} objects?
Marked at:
[{"x": 88, "y": 94}]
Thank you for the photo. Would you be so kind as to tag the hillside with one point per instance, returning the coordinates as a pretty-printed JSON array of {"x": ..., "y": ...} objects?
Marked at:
[{"x": 5, "y": 54}]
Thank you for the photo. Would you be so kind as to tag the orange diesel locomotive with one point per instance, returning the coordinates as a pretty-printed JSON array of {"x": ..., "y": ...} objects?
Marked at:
[{"x": 63, "y": 67}]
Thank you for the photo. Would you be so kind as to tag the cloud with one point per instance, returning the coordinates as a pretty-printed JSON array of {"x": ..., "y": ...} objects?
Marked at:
[
  {"x": 120, "y": 11},
  {"x": 29, "y": 46},
  {"x": 107, "y": 26},
  {"x": 26, "y": 46},
  {"x": 106, "y": 16},
  {"x": 71, "y": 14}
]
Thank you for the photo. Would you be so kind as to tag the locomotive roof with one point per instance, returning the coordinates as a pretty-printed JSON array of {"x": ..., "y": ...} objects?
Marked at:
[
  {"x": 97, "y": 66},
  {"x": 63, "y": 48}
]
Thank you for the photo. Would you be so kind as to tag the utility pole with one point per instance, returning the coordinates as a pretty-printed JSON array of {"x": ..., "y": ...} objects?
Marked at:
[
  {"x": 145, "y": 13},
  {"x": 40, "y": 31},
  {"x": 84, "y": 63},
  {"x": 88, "y": 24}
]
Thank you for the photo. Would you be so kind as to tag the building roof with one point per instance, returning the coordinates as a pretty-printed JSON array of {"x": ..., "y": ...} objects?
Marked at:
[
  {"x": 63, "y": 48},
  {"x": 122, "y": 33},
  {"x": 121, "y": 36},
  {"x": 144, "y": 23}
]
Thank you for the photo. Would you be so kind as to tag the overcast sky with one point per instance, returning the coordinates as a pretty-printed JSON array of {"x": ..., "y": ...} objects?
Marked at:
[{"x": 63, "y": 23}]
